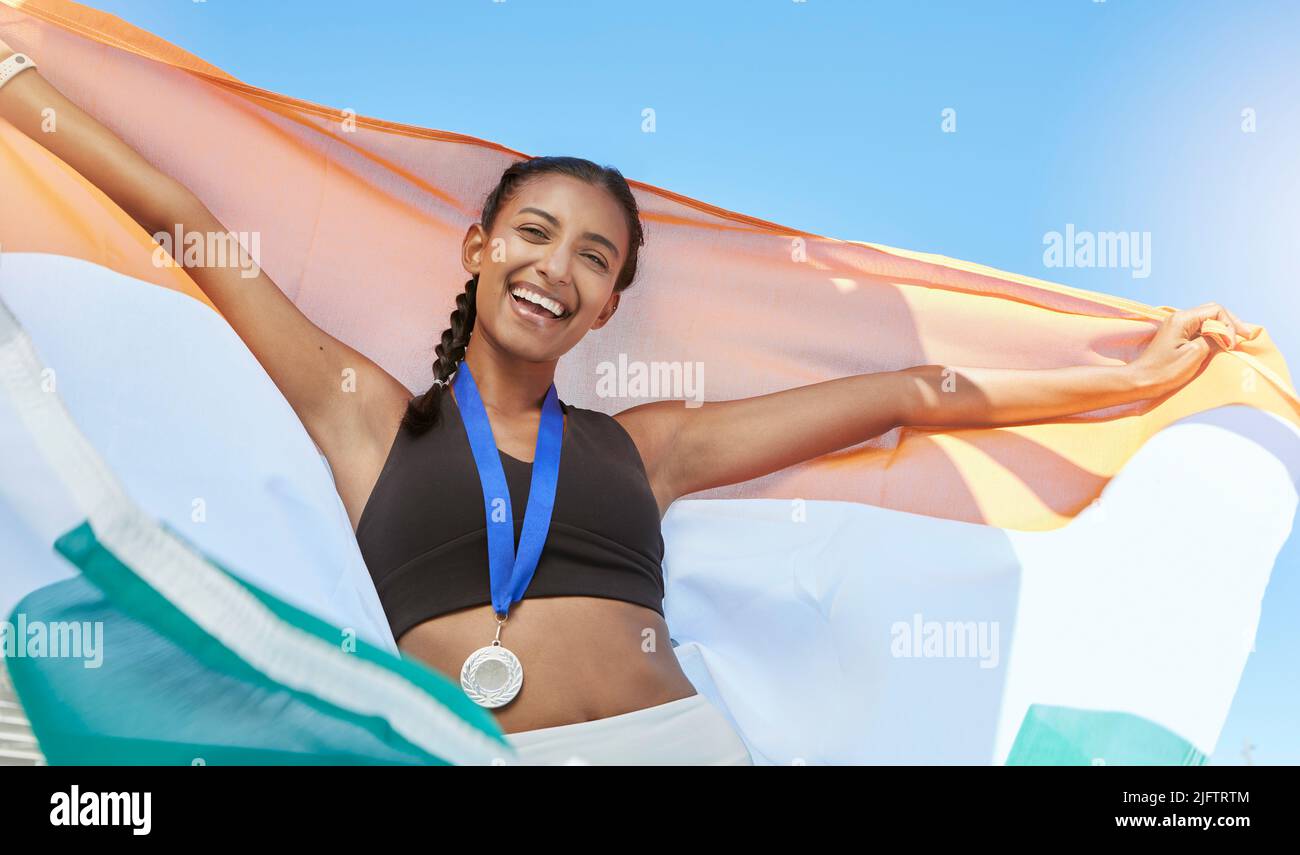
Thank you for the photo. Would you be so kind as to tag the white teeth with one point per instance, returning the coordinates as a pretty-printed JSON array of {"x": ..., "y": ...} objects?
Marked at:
[{"x": 545, "y": 302}]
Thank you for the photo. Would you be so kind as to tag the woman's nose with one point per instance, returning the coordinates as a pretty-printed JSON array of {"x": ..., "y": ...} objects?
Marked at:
[{"x": 557, "y": 264}]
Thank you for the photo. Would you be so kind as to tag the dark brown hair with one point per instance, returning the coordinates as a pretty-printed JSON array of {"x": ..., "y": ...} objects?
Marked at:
[{"x": 422, "y": 410}]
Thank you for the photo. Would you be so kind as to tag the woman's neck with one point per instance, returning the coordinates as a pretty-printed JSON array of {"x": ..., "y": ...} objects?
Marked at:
[{"x": 506, "y": 384}]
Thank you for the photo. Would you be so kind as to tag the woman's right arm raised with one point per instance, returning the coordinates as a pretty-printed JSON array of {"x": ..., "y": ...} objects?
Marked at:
[{"x": 353, "y": 429}]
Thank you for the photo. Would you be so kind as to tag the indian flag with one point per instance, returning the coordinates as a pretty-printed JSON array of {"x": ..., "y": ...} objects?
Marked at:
[{"x": 181, "y": 582}]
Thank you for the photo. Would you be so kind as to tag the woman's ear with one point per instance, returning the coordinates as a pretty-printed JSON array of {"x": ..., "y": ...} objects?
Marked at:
[
  {"x": 611, "y": 306},
  {"x": 472, "y": 248}
]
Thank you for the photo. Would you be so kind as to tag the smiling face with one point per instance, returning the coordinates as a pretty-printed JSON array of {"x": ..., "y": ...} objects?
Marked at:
[{"x": 557, "y": 246}]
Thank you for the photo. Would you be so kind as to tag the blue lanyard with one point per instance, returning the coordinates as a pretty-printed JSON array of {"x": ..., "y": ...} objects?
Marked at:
[{"x": 510, "y": 572}]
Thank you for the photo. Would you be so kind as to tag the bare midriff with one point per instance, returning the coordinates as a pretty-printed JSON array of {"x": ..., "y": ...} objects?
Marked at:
[{"x": 584, "y": 658}]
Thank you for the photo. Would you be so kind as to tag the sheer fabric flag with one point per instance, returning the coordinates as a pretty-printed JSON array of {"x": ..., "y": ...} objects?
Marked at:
[
  {"x": 803, "y": 600},
  {"x": 360, "y": 222}
]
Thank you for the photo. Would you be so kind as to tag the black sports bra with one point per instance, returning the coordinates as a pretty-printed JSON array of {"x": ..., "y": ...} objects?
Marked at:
[{"x": 423, "y": 530}]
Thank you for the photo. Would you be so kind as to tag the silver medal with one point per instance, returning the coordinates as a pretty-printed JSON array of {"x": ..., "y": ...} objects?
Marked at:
[{"x": 492, "y": 676}]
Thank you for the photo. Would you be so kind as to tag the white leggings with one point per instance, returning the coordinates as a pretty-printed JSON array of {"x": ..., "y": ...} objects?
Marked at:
[{"x": 689, "y": 731}]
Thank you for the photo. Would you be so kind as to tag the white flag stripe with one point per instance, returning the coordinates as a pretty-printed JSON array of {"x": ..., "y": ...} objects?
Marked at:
[{"x": 222, "y": 607}]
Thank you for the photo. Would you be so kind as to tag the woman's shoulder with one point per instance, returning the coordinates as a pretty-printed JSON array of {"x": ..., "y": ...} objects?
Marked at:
[
  {"x": 609, "y": 430},
  {"x": 587, "y": 417},
  {"x": 587, "y": 414}
]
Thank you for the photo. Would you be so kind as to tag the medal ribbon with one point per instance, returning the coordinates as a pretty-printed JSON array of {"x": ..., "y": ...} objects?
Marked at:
[{"x": 511, "y": 571}]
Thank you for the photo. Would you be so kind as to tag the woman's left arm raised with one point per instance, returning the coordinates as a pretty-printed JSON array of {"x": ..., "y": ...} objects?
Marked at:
[{"x": 686, "y": 449}]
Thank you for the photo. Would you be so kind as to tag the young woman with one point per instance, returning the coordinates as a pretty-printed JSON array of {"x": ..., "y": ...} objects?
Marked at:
[{"x": 554, "y": 250}]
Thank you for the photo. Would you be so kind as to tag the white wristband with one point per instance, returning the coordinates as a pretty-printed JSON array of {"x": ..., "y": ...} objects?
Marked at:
[{"x": 12, "y": 66}]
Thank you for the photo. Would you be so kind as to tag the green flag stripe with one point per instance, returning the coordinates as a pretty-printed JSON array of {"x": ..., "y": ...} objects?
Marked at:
[
  {"x": 224, "y": 608},
  {"x": 1066, "y": 736}
]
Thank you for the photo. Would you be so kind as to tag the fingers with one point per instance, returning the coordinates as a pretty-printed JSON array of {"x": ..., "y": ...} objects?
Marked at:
[
  {"x": 1221, "y": 315},
  {"x": 1189, "y": 321},
  {"x": 1242, "y": 327}
]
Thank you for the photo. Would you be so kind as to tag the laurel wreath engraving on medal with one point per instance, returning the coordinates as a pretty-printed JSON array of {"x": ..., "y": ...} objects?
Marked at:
[{"x": 492, "y": 676}]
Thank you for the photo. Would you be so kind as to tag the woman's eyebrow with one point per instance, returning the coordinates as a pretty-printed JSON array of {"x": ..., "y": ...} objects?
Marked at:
[{"x": 592, "y": 236}]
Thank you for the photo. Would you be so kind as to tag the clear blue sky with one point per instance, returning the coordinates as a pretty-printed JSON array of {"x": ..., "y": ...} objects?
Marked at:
[{"x": 1124, "y": 115}]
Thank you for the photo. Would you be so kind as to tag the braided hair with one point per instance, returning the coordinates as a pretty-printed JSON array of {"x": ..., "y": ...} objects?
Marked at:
[{"x": 422, "y": 411}]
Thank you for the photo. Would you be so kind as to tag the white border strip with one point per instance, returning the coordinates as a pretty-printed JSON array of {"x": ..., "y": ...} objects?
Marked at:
[{"x": 220, "y": 605}]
